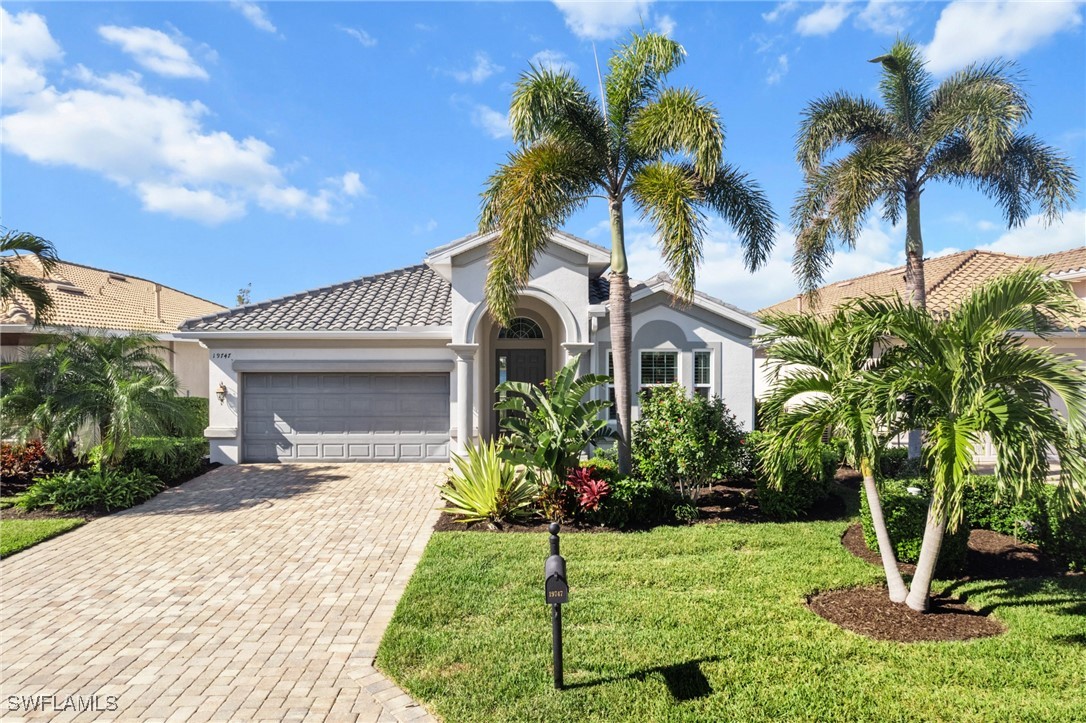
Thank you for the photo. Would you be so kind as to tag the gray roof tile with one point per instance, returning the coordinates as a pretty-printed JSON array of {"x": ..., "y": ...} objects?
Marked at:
[{"x": 414, "y": 296}]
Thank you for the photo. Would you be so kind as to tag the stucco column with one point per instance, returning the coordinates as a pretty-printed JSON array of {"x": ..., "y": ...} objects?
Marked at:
[
  {"x": 573, "y": 349},
  {"x": 465, "y": 394}
]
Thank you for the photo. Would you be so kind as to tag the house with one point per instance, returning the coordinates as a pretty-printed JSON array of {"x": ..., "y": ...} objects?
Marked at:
[
  {"x": 402, "y": 366},
  {"x": 948, "y": 279},
  {"x": 91, "y": 299}
]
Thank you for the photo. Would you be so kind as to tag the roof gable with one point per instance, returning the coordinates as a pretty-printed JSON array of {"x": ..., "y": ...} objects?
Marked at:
[{"x": 441, "y": 258}]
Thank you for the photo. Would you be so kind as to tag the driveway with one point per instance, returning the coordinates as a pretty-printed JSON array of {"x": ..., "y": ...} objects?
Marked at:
[{"x": 254, "y": 592}]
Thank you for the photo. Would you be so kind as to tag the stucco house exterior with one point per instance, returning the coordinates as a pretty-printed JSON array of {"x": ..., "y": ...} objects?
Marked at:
[
  {"x": 402, "y": 366},
  {"x": 110, "y": 302}
]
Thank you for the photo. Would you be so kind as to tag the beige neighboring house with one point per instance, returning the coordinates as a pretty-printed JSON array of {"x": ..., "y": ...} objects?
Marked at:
[
  {"x": 948, "y": 279},
  {"x": 91, "y": 299}
]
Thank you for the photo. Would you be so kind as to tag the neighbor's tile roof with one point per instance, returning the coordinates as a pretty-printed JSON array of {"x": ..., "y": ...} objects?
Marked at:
[
  {"x": 947, "y": 279},
  {"x": 86, "y": 297},
  {"x": 414, "y": 296}
]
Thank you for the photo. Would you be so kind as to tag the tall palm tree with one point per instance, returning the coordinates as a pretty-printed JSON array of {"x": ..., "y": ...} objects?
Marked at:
[
  {"x": 659, "y": 146},
  {"x": 11, "y": 281},
  {"x": 964, "y": 131},
  {"x": 822, "y": 371},
  {"x": 972, "y": 374},
  {"x": 114, "y": 387}
]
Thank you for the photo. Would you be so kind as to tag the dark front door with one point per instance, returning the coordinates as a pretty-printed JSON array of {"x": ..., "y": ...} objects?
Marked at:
[{"x": 518, "y": 365}]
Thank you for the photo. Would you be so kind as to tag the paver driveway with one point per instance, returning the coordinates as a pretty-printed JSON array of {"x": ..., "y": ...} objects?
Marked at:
[{"x": 254, "y": 592}]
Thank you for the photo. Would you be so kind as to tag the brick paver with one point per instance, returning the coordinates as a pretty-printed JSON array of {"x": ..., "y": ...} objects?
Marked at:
[{"x": 256, "y": 592}]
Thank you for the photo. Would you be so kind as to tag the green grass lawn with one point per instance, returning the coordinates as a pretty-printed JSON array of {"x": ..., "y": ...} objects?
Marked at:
[
  {"x": 709, "y": 623},
  {"x": 19, "y": 534}
]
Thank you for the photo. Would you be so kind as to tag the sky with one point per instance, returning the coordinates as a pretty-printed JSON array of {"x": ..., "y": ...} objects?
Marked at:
[{"x": 212, "y": 145}]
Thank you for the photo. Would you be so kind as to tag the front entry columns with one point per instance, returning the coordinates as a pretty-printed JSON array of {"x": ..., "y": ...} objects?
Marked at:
[
  {"x": 575, "y": 348},
  {"x": 465, "y": 394}
]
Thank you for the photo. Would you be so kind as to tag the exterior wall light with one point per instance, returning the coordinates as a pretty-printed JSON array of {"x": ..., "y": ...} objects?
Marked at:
[{"x": 221, "y": 393}]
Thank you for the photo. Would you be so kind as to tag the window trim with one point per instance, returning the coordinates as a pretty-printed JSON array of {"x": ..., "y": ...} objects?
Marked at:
[
  {"x": 707, "y": 386},
  {"x": 642, "y": 386}
]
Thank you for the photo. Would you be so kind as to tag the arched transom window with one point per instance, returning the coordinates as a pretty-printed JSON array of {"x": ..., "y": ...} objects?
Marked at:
[{"x": 521, "y": 328}]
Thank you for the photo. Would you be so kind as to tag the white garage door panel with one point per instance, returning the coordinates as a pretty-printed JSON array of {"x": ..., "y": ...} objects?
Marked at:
[{"x": 345, "y": 417}]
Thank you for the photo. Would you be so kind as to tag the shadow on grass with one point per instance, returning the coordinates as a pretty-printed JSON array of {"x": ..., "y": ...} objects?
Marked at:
[
  {"x": 1017, "y": 593},
  {"x": 239, "y": 487},
  {"x": 1078, "y": 639},
  {"x": 684, "y": 681}
]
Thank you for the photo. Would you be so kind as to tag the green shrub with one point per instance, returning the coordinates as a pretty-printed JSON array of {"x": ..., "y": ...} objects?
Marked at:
[
  {"x": 96, "y": 489},
  {"x": 193, "y": 421},
  {"x": 1063, "y": 538},
  {"x": 685, "y": 441},
  {"x": 905, "y": 515},
  {"x": 636, "y": 503},
  {"x": 1021, "y": 519},
  {"x": 168, "y": 458},
  {"x": 605, "y": 469},
  {"x": 486, "y": 486},
  {"x": 800, "y": 489}
]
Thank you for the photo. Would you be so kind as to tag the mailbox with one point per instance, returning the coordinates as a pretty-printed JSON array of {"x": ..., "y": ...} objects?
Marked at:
[{"x": 555, "y": 574}]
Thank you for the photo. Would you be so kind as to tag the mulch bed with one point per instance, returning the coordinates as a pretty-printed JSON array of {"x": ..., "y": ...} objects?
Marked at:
[{"x": 869, "y": 612}]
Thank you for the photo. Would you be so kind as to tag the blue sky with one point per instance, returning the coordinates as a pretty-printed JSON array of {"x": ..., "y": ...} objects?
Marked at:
[{"x": 291, "y": 145}]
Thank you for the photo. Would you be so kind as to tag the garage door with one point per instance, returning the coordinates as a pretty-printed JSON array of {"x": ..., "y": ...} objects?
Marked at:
[{"x": 345, "y": 417}]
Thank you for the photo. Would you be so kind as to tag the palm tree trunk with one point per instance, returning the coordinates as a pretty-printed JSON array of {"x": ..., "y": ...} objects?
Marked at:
[
  {"x": 619, "y": 313},
  {"x": 920, "y": 591},
  {"x": 915, "y": 287},
  {"x": 894, "y": 584}
]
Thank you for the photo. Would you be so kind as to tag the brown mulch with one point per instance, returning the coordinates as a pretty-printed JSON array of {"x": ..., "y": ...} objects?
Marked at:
[
  {"x": 869, "y": 612},
  {"x": 452, "y": 523},
  {"x": 990, "y": 555}
]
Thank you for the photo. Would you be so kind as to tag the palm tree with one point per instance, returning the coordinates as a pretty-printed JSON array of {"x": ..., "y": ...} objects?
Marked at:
[
  {"x": 110, "y": 388},
  {"x": 972, "y": 374},
  {"x": 822, "y": 371},
  {"x": 659, "y": 146},
  {"x": 11, "y": 281},
  {"x": 963, "y": 131}
]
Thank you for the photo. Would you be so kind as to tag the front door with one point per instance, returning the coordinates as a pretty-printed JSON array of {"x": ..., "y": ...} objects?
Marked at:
[{"x": 518, "y": 365}]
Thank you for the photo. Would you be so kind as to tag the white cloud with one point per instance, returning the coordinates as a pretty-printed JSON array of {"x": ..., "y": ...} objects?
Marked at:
[
  {"x": 154, "y": 50},
  {"x": 594, "y": 20},
  {"x": 254, "y": 14},
  {"x": 780, "y": 11},
  {"x": 495, "y": 123},
  {"x": 553, "y": 60},
  {"x": 1034, "y": 238},
  {"x": 665, "y": 25},
  {"x": 367, "y": 40},
  {"x": 420, "y": 228},
  {"x": 884, "y": 17},
  {"x": 968, "y": 31},
  {"x": 155, "y": 145},
  {"x": 823, "y": 21},
  {"x": 986, "y": 225},
  {"x": 26, "y": 49},
  {"x": 778, "y": 71},
  {"x": 483, "y": 69}
]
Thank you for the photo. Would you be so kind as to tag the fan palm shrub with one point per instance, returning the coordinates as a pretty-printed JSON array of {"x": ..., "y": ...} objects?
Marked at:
[{"x": 641, "y": 141}]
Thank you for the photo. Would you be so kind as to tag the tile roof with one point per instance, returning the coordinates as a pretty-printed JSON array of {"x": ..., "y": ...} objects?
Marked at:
[
  {"x": 86, "y": 297},
  {"x": 413, "y": 296},
  {"x": 947, "y": 278}
]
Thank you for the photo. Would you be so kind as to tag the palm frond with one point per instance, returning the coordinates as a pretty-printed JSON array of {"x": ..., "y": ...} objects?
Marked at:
[
  {"x": 835, "y": 120},
  {"x": 550, "y": 103},
  {"x": 905, "y": 85},
  {"x": 679, "y": 120},
  {"x": 635, "y": 72},
  {"x": 742, "y": 203}
]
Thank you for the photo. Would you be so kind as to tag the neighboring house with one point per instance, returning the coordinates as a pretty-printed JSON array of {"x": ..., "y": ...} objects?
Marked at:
[
  {"x": 402, "y": 366},
  {"x": 948, "y": 279},
  {"x": 90, "y": 299}
]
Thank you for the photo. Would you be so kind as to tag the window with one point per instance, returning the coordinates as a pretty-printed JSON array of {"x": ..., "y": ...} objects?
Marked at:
[
  {"x": 703, "y": 373},
  {"x": 521, "y": 328},
  {"x": 657, "y": 368},
  {"x": 612, "y": 413}
]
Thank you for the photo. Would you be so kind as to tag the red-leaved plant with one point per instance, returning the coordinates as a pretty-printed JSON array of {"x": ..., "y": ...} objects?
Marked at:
[{"x": 589, "y": 490}]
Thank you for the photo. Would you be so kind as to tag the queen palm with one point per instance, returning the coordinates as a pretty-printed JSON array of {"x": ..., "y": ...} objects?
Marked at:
[
  {"x": 659, "y": 146},
  {"x": 11, "y": 281},
  {"x": 973, "y": 374},
  {"x": 964, "y": 131},
  {"x": 822, "y": 372}
]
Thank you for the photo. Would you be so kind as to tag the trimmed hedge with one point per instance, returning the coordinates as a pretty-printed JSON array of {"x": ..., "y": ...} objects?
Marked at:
[
  {"x": 636, "y": 503},
  {"x": 800, "y": 489},
  {"x": 168, "y": 458},
  {"x": 905, "y": 515},
  {"x": 193, "y": 422},
  {"x": 1063, "y": 538},
  {"x": 894, "y": 463}
]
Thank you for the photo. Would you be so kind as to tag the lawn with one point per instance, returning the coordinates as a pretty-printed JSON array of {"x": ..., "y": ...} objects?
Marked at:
[
  {"x": 709, "y": 623},
  {"x": 19, "y": 534}
]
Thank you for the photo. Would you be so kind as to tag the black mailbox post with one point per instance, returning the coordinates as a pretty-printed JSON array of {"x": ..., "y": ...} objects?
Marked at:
[{"x": 557, "y": 592}]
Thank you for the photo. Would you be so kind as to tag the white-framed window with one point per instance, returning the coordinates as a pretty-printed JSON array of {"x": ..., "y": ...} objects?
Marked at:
[
  {"x": 658, "y": 368},
  {"x": 612, "y": 412},
  {"x": 703, "y": 373}
]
